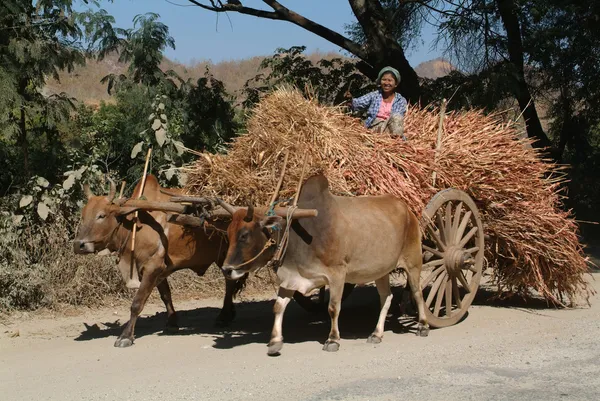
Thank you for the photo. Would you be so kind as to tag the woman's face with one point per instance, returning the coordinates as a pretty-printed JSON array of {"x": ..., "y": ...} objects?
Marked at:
[{"x": 388, "y": 82}]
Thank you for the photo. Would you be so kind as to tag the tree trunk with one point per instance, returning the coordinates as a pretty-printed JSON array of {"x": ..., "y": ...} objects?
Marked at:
[
  {"x": 508, "y": 13},
  {"x": 383, "y": 49}
]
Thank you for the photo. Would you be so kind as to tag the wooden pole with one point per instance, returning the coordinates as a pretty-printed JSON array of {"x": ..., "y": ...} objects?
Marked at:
[
  {"x": 135, "y": 217},
  {"x": 438, "y": 146},
  {"x": 278, "y": 188},
  {"x": 122, "y": 189},
  {"x": 301, "y": 179}
]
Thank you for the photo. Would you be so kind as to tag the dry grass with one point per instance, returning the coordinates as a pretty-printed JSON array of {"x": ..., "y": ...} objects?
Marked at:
[{"x": 533, "y": 245}]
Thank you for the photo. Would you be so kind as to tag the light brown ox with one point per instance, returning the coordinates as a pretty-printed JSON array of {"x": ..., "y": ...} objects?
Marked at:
[
  {"x": 161, "y": 248},
  {"x": 352, "y": 240}
]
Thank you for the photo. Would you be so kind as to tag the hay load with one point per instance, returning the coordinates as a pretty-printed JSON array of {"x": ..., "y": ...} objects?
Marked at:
[{"x": 532, "y": 245}]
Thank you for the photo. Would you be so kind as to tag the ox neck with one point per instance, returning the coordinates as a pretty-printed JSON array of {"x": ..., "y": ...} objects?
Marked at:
[{"x": 120, "y": 236}]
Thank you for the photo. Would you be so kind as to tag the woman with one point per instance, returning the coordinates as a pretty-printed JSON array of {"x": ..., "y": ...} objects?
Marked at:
[{"x": 385, "y": 108}]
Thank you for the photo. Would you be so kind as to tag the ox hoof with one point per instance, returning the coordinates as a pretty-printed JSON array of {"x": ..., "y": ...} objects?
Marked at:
[
  {"x": 422, "y": 330},
  {"x": 373, "y": 339},
  {"x": 275, "y": 348},
  {"x": 331, "y": 346},
  {"x": 123, "y": 342},
  {"x": 171, "y": 329}
]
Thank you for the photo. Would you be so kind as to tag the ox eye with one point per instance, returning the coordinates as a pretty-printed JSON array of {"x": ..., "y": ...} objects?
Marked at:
[{"x": 100, "y": 216}]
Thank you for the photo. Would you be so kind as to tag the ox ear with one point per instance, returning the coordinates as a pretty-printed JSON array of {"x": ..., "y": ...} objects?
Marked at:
[{"x": 271, "y": 222}]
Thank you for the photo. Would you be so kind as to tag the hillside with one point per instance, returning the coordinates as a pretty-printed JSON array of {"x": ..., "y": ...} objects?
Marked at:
[{"x": 84, "y": 82}]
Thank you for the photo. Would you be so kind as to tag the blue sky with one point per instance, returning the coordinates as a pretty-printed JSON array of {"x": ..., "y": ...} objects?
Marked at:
[{"x": 202, "y": 35}]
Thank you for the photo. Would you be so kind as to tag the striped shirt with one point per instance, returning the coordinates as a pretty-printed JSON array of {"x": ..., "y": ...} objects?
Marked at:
[{"x": 372, "y": 101}]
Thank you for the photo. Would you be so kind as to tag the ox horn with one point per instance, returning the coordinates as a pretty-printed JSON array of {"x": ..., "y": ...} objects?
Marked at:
[
  {"x": 87, "y": 191},
  {"x": 250, "y": 213},
  {"x": 226, "y": 206},
  {"x": 113, "y": 189}
]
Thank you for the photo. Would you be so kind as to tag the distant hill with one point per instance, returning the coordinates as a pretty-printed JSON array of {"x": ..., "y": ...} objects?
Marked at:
[
  {"x": 84, "y": 82},
  {"x": 433, "y": 69}
]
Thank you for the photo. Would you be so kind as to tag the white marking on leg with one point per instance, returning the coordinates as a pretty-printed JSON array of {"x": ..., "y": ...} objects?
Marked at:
[
  {"x": 283, "y": 299},
  {"x": 385, "y": 299}
]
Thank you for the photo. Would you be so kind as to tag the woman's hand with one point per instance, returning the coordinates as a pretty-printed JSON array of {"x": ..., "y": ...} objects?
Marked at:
[{"x": 348, "y": 97}]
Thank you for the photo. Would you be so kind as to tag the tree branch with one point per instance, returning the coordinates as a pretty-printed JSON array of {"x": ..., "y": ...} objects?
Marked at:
[
  {"x": 237, "y": 7},
  {"x": 285, "y": 14}
]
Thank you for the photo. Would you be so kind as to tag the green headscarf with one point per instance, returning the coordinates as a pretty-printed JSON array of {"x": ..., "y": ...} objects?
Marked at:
[{"x": 391, "y": 70}]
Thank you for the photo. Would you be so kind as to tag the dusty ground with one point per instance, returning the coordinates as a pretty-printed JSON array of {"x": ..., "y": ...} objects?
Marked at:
[{"x": 501, "y": 351}]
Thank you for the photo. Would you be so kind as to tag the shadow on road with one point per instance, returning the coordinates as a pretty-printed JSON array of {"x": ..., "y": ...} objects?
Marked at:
[{"x": 254, "y": 320}]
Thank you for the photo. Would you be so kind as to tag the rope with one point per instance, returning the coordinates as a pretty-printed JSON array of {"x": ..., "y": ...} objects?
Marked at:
[
  {"x": 271, "y": 209},
  {"x": 268, "y": 244}
]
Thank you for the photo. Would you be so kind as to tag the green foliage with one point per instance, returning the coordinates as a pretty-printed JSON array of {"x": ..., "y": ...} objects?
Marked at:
[
  {"x": 327, "y": 80},
  {"x": 210, "y": 117},
  {"x": 163, "y": 138},
  {"x": 142, "y": 47}
]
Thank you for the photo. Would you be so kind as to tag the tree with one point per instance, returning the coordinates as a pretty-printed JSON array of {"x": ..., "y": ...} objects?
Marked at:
[
  {"x": 142, "y": 47},
  {"x": 379, "y": 47},
  {"x": 37, "y": 40}
]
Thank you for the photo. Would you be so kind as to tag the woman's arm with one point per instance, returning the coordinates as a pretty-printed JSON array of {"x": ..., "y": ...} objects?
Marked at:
[
  {"x": 363, "y": 102},
  {"x": 399, "y": 105}
]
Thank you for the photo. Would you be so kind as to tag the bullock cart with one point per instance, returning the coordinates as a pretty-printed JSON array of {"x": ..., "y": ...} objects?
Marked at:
[{"x": 453, "y": 246}]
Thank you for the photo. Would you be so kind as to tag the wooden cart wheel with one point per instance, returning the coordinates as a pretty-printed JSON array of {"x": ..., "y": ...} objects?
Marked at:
[
  {"x": 453, "y": 249},
  {"x": 318, "y": 302}
]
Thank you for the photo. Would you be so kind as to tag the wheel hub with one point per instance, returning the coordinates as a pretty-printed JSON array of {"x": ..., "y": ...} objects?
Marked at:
[{"x": 455, "y": 260}]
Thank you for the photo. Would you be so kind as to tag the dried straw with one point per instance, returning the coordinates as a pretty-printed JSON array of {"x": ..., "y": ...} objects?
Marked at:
[{"x": 532, "y": 242}]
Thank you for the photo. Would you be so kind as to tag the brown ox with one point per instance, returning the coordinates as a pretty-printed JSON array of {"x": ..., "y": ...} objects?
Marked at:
[
  {"x": 354, "y": 240},
  {"x": 161, "y": 248}
]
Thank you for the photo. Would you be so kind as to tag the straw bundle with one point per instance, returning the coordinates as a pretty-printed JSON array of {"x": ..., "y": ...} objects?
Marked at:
[{"x": 533, "y": 243}]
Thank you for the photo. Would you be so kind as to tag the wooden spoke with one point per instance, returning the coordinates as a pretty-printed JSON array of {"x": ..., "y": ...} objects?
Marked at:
[
  {"x": 449, "y": 298},
  {"x": 471, "y": 250},
  {"x": 440, "y": 296},
  {"x": 434, "y": 288},
  {"x": 442, "y": 230},
  {"x": 469, "y": 275},
  {"x": 436, "y": 238},
  {"x": 433, "y": 263},
  {"x": 463, "y": 224},
  {"x": 434, "y": 251},
  {"x": 455, "y": 223},
  {"x": 431, "y": 276},
  {"x": 467, "y": 237},
  {"x": 463, "y": 281},
  {"x": 448, "y": 224},
  {"x": 456, "y": 293}
]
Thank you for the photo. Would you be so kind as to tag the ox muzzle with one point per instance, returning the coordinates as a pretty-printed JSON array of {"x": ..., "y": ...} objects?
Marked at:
[
  {"x": 83, "y": 247},
  {"x": 233, "y": 273}
]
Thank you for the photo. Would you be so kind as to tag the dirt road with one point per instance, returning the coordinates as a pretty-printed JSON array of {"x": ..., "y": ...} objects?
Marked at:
[{"x": 500, "y": 352}]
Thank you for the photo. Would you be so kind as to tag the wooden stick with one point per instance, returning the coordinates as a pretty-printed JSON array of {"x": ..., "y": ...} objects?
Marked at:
[
  {"x": 135, "y": 217},
  {"x": 439, "y": 137},
  {"x": 122, "y": 189},
  {"x": 278, "y": 188},
  {"x": 190, "y": 199},
  {"x": 131, "y": 206},
  {"x": 301, "y": 180}
]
